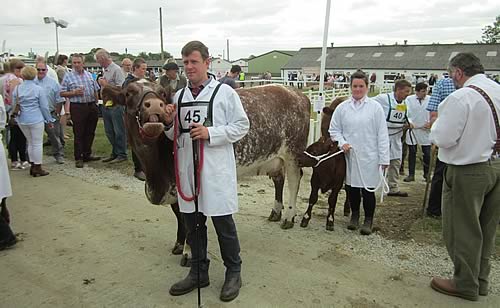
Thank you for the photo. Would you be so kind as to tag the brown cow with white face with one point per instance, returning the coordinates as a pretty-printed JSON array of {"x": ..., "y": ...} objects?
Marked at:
[{"x": 279, "y": 125}]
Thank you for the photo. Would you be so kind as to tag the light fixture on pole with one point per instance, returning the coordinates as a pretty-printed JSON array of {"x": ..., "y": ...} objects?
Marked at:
[{"x": 59, "y": 23}]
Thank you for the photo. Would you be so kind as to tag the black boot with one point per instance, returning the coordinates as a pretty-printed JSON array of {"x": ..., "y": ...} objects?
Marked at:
[
  {"x": 189, "y": 283},
  {"x": 354, "y": 223},
  {"x": 366, "y": 229},
  {"x": 4, "y": 212},
  {"x": 231, "y": 287},
  {"x": 7, "y": 237}
]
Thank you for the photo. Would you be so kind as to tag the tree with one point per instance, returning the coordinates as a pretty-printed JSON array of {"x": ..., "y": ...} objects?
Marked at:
[{"x": 491, "y": 34}]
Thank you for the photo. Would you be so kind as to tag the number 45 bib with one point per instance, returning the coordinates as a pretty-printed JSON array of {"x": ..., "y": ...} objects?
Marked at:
[{"x": 195, "y": 111}]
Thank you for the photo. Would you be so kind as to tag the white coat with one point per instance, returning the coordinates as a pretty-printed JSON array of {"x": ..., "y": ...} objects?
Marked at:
[
  {"x": 218, "y": 192},
  {"x": 418, "y": 116},
  {"x": 365, "y": 129},
  {"x": 388, "y": 102},
  {"x": 5, "y": 187}
]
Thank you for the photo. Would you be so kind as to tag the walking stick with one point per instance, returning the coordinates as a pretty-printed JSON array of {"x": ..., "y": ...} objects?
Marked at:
[
  {"x": 196, "y": 161},
  {"x": 428, "y": 179}
]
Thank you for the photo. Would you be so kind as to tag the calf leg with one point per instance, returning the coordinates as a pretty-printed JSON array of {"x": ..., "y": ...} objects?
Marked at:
[
  {"x": 347, "y": 205},
  {"x": 181, "y": 230},
  {"x": 279, "y": 183},
  {"x": 294, "y": 174},
  {"x": 332, "y": 203},
  {"x": 313, "y": 198}
]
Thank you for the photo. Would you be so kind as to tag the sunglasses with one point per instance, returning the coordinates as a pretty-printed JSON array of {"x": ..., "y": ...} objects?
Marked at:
[{"x": 41, "y": 69}]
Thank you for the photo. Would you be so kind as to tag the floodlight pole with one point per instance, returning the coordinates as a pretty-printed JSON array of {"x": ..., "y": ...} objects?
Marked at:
[
  {"x": 323, "y": 65},
  {"x": 57, "y": 39}
]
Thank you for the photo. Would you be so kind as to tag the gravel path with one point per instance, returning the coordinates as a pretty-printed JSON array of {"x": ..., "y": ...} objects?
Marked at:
[{"x": 256, "y": 195}]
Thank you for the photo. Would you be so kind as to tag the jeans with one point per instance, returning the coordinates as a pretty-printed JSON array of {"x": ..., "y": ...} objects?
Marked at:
[
  {"x": 34, "y": 138},
  {"x": 114, "y": 126},
  {"x": 17, "y": 144},
  {"x": 228, "y": 241},
  {"x": 54, "y": 135}
]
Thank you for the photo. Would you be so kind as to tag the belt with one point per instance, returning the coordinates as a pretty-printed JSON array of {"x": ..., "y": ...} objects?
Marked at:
[{"x": 82, "y": 103}]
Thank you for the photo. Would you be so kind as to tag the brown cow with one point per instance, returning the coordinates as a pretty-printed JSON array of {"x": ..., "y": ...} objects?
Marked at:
[
  {"x": 279, "y": 124},
  {"x": 328, "y": 170}
]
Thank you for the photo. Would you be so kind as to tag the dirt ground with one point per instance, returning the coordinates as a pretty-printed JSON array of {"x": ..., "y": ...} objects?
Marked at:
[{"x": 85, "y": 245}]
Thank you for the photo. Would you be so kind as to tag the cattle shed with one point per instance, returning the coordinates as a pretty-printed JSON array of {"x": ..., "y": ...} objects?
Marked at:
[
  {"x": 271, "y": 61},
  {"x": 386, "y": 61}
]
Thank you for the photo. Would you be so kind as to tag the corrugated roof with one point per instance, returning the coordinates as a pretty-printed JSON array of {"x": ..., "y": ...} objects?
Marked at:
[
  {"x": 286, "y": 52},
  {"x": 407, "y": 57}
]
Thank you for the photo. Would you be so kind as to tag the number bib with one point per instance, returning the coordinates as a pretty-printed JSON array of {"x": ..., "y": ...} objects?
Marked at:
[
  {"x": 195, "y": 112},
  {"x": 191, "y": 113},
  {"x": 398, "y": 114}
]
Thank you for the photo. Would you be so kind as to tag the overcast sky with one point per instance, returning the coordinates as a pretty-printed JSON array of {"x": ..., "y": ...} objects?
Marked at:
[{"x": 252, "y": 27}]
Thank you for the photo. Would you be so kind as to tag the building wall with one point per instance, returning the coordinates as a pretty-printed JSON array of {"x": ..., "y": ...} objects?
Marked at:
[
  {"x": 272, "y": 62},
  {"x": 242, "y": 64},
  {"x": 219, "y": 67}
]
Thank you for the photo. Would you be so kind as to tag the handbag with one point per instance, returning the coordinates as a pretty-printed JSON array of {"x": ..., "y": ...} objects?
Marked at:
[{"x": 17, "y": 110}]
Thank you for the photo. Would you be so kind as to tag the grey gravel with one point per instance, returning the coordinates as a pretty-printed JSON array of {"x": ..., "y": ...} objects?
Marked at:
[{"x": 404, "y": 256}]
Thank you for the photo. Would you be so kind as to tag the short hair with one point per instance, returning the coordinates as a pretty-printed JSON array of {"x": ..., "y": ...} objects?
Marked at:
[
  {"x": 61, "y": 59},
  {"x": 235, "y": 69},
  {"x": 28, "y": 73},
  {"x": 102, "y": 53},
  {"x": 137, "y": 63},
  {"x": 77, "y": 55},
  {"x": 193, "y": 46},
  {"x": 401, "y": 84},
  {"x": 15, "y": 64},
  {"x": 126, "y": 59},
  {"x": 359, "y": 74},
  {"x": 41, "y": 59},
  {"x": 468, "y": 63},
  {"x": 420, "y": 86}
]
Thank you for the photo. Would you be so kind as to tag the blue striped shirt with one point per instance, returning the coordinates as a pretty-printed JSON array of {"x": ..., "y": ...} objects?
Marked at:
[
  {"x": 52, "y": 90},
  {"x": 33, "y": 103},
  {"x": 73, "y": 80},
  {"x": 441, "y": 90}
]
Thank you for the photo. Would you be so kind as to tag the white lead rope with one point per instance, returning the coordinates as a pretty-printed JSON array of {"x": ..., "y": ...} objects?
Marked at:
[
  {"x": 382, "y": 184},
  {"x": 322, "y": 158}
]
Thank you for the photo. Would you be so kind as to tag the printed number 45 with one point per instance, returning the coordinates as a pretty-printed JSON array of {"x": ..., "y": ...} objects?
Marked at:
[{"x": 193, "y": 117}]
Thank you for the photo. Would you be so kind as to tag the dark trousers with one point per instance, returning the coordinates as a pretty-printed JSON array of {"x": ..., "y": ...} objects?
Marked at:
[
  {"x": 6, "y": 233},
  {"x": 137, "y": 162},
  {"x": 368, "y": 200},
  {"x": 434, "y": 206},
  {"x": 228, "y": 242},
  {"x": 412, "y": 158},
  {"x": 84, "y": 117},
  {"x": 17, "y": 144}
]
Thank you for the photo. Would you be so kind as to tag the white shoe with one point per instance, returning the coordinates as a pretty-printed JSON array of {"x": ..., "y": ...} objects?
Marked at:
[
  {"x": 25, "y": 165},
  {"x": 15, "y": 166}
]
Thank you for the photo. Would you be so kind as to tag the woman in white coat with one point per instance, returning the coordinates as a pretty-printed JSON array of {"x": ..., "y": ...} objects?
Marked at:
[
  {"x": 359, "y": 127},
  {"x": 7, "y": 237}
]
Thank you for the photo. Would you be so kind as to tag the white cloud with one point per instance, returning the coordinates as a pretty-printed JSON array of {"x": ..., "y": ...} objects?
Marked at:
[{"x": 253, "y": 27}]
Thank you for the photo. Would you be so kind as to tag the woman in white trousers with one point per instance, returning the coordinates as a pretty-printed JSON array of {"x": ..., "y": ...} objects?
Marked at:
[{"x": 32, "y": 114}]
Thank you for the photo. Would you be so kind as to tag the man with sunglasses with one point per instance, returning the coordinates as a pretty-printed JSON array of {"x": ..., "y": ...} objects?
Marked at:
[{"x": 52, "y": 90}]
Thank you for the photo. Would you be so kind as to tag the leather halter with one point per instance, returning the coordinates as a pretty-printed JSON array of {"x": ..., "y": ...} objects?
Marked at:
[{"x": 137, "y": 114}]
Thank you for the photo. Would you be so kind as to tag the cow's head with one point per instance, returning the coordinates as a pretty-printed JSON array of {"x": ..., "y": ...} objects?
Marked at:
[
  {"x": 326, "y": 117},
  {"x": 313, "y": 154},
  {"x": 145, "y": 107}
]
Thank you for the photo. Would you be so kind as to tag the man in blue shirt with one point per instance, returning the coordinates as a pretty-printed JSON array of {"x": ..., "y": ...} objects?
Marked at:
[
  {"x": 81, "y": 90},
  {"x": 441, "y": 90},
  {"x": 52, "y": 90}
]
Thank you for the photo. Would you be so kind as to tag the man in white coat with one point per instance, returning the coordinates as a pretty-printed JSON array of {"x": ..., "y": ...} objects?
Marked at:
[
  {"x": 7, "y": 237},
  {"x": 396, "y": 116},
  {"x": 418, "y": 134},
  {"x": 211, "y": 113}
]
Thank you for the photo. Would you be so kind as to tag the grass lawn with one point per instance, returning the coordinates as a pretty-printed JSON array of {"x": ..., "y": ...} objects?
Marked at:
[{"x": 101, "y": 147}]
